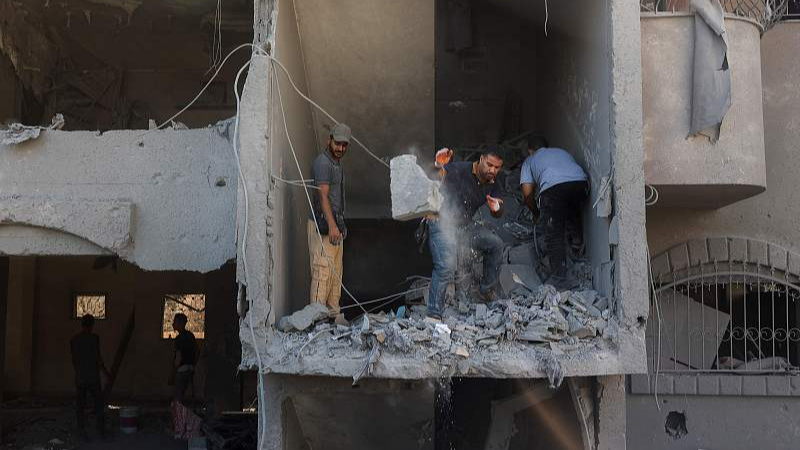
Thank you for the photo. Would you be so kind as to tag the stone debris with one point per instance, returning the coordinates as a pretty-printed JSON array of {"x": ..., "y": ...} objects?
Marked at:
[
  {"x": 561, "y": 324},
  {"x": 414, "y": 195},
  {"x": 17, "y": 133},
  {"x": 514, "y": 277},
  {"x": 304, "y": 318},
  {"x": 522, "y": 254}
]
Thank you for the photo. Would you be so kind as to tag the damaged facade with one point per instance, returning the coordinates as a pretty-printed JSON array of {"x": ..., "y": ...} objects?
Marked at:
[{"x": 213, "y": 203}]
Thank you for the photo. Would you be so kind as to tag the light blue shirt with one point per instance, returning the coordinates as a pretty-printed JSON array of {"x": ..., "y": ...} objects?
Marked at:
[{"x": 550, "y": 166}]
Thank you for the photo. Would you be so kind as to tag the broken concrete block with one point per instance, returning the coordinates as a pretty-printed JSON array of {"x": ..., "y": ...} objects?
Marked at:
[
  {"x": 601, "y": 303},
  {"x": 414, "y": 195},
  {"x": 463, "y": 307},
  {"x": 284, "y": 324},
  {"x": 480, "y": 311},
  {"x": 494, "y": 321},
  {"x": 340, "y": 320},
  {"x": 380, "y": 335},
  {"x": 442, "y": 329},
  {"x": 522, "y": 254},
  {"x": 307, "y": 316},
  {"x": 515, "y": 276},
  {"x": 586, "y": 298},
  {"x": 365, "y": 324},
  {"x": 460, "y": 350},
  {"x": 594, "y": 312}
]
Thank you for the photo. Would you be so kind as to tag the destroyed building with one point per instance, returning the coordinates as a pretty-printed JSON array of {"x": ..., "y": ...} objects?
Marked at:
[{"x": 155, "y": 155}]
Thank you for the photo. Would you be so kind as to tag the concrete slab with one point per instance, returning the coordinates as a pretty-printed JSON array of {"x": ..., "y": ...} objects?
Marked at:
[{"x": 414, "y": 195}]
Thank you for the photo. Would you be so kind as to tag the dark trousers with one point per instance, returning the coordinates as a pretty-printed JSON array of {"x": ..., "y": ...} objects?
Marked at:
[
  {"x": 559, "y": 205},
  {"x": 490, "y": 246},
  {"x": 84, "y": 390},
  {"x": 443, "y": 244}
]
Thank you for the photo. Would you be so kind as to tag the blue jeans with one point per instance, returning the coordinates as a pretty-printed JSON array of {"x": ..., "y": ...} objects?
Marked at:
[{"x": 444, "y": 252}]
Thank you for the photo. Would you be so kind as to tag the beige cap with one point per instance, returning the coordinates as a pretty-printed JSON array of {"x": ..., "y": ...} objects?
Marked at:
[{"x": 341, "y": 133}]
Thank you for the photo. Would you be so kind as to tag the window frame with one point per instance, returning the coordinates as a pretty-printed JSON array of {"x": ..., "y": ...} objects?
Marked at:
[
  {"x": 74, "y": 303},
  {"x": 793, "y": 10},
  {"x": 164, "y": 299}
]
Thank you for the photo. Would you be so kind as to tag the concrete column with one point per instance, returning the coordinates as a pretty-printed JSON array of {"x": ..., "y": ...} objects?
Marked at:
[
  {"x": 271, "y": 434},
  {"x": 19, "y": 324},
  {"x": 611, "y": 412}
]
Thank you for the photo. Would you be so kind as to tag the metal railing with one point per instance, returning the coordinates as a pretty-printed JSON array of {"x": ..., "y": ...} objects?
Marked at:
[
  {"x": 724, "y": 316},
  {"x": 766, "y": 12},
  {"x": 793, "y": 10}
]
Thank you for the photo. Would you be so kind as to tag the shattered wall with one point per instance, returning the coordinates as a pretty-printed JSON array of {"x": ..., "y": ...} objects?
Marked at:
[
  {"x": 713, "y": 421},
  {"x": 163, "y": 201},
  {"x": 371, "y": 65},
  {"x": 609, "y": 65},
  {"x": 151, "y": 61},
  {"x": 591, "y": 105},
  {"x": 575, "y": 106}
]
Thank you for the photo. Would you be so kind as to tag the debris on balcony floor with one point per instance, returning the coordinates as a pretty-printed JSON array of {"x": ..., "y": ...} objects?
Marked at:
[{"x": 543, "y": 325}]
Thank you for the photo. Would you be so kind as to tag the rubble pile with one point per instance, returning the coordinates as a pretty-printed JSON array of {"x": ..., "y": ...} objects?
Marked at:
[
  {"x": 530, "y": 321},
  {"x": 549, "y": 322}
]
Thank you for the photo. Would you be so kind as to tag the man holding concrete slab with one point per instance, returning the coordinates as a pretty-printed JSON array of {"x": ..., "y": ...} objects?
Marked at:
[
  {"x": 466, "y": 186},
  {"x": 326, "y": 227}
]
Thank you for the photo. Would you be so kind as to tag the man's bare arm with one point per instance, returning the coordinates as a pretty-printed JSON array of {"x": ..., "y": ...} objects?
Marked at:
[
  {"x": 529, "y": 197},
  {"x": 334, "y": 234}
]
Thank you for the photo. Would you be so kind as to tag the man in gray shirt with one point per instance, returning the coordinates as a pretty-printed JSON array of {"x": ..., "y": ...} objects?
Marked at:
[
  {"x": 326, "y": 247},
  {"x": 560, "y": 184}
]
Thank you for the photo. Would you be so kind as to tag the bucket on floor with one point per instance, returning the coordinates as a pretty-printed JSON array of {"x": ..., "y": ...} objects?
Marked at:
[{"x": 128, "y": 419}]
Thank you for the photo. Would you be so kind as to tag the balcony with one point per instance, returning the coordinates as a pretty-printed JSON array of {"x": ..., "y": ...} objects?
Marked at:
[{"x": 693, "y": 172}]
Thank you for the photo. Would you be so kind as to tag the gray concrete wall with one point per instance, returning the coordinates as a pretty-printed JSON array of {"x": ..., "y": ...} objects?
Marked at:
[
  {"x": 773, "y": 215},
  {"x": 371, "y": 65},
  {"x": 291, "y": 271},
  {"x": 329, "y": 413},
  {"x": 753, "y": 420},
  {"x": 161, "y": 53},
  {"x": 575, "y": 100},
  {"x": 164, "y": 201},
  {"x": 713, "y": 174},
  {"x": 714, "y": 422},
  {"x": 481, "y": 90},
  {"x": 38, "y": 356}
]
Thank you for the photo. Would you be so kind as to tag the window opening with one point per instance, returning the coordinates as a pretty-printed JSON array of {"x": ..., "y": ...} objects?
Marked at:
[
  {"x": 94, "y": 304},
  {"x": 793, "y": 12},
  {"x": 193, "y": 305}
]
